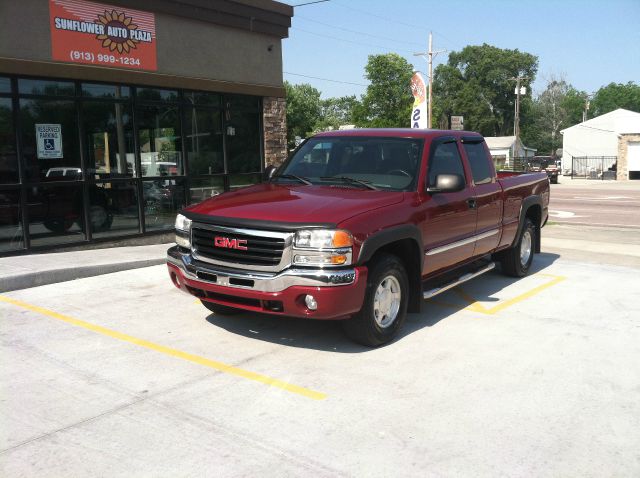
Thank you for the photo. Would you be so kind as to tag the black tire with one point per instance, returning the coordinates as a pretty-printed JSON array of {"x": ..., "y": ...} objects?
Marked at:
[
  {"x": 372, "y": 326},
  {"x": 100, "y": 218},
  {"x": 516, "y": 261},
  {"x": 220, "y": 309},
  {"x": 59, "y": 226}
]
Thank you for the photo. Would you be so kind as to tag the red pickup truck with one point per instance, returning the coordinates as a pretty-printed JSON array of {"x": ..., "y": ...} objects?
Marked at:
[{"x": 361, "y": 226}]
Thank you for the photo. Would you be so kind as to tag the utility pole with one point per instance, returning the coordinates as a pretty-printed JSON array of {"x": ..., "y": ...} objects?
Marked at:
[
  {"x": 430, "y": 55},
  {"x": 586, "y": 108},
  {"x": 516, "y": 120}
]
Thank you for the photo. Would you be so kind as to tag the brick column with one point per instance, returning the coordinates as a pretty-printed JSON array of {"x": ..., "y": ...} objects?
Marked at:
[
  {"x": 623, "y": 164},
  {"x": 275, "y": 130}
]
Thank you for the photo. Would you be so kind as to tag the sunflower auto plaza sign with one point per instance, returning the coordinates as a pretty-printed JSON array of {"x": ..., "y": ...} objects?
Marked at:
[{"x": 102, "y": 35}]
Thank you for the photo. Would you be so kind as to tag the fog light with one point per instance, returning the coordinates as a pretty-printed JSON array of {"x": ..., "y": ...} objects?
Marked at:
[{"x": 310, "y": 301}]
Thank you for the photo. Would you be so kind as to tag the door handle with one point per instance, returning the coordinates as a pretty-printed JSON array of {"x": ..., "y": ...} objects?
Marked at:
[{"x": 472, "y": 203}]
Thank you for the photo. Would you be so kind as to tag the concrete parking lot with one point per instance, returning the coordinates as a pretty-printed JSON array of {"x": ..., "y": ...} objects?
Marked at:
[{"x": 123, "y": 375}]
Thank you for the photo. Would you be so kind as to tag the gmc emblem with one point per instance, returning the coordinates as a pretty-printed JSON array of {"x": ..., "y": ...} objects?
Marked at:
[{"x": 240, "y": 244}]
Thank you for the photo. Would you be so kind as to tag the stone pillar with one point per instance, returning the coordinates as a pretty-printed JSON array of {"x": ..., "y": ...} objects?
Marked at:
[
  {"x": 275, "y": 130},
  {"x": 623, "y": 146}
]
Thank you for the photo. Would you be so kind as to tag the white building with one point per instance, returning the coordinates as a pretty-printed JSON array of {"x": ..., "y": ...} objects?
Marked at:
[
  {"x": 601, "y": 143},
  {"x": 504, "y": 148}
]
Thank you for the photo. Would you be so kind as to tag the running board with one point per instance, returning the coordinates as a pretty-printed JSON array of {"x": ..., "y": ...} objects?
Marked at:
[{"x": 462, "y": 279}]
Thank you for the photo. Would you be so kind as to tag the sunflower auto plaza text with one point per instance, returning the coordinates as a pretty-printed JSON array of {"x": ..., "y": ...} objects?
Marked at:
[{"x": 100, "y": 29}]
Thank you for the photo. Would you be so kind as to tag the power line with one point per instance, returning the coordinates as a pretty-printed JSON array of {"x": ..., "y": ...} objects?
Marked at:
[
  {"x": 324, "y": 79},
  {"x": 358, "y": 32},
  {"x": 386, "y": 19},
  {"x": 348, "y": 41}
]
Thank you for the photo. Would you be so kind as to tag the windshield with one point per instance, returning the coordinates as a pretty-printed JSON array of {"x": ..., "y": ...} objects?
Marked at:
[{"x": 381, "y": 163}]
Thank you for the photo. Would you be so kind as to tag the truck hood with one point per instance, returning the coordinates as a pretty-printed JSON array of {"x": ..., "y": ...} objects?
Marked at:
[{"x": 304, "y": 204}]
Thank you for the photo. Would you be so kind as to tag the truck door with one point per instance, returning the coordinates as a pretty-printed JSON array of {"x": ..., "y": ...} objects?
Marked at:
[
  {"x": 450, "y": 218},
  {"x": 487, "y": 195}
]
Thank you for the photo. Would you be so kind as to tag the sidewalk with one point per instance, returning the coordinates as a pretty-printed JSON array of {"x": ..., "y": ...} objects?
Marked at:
[{"x": 22, "y": 272}]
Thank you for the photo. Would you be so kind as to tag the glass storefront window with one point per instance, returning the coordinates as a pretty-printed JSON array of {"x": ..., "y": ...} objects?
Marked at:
[
  {"x": 205, "y": 188},
  {"x": 156, "y": 94},
  {"x": 46, "y": 87},
  {"x": 243, "y": 142},
  {"x": 56, "y": 214},
  {"x": 8, "y": 156},
  {"x": 56, "y": 158},
  {"x": 204, "y": 141},
  {"x": 113, "y": 209},
  {"x": 237, "y": 181},
  {"x": 163, "y": 198},
  {"x": 5, "y": 85},
  {"x": 10, "y": 221},
  {"x": 160, "y": 140},
  {"x": 202, "y": 98},
  {"x": 95, "y": 90},
  {"x": 108, "y": 129}
]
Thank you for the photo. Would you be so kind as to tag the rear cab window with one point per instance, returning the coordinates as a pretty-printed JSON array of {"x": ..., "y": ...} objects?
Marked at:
[{"x": 479, "y": 161}]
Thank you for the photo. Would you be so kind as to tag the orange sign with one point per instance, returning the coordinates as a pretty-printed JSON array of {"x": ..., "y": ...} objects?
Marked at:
[{"x": 103, "y": 35}]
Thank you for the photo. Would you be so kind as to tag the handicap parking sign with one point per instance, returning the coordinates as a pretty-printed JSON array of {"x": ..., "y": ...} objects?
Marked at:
[{"x": 49, "y": 140}]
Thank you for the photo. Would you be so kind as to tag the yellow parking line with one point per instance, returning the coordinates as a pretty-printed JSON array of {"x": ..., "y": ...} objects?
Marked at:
[
  {"x": 476, "y": 306},
  {"x": 222, "y": 367}
]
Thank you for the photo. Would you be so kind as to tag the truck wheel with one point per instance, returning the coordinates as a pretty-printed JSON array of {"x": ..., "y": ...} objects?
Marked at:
[
  {"x": 517, "y": 260},
  {"x": 220, "y": 309},
  {"x": 385, "y": 303}
]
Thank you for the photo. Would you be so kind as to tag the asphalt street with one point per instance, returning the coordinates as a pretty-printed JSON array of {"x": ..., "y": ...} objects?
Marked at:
[{"x": 595, "y": 203}]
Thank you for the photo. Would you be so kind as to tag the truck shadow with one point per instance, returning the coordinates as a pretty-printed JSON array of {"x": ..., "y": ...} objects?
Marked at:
[{"x": 327, "y": 335}]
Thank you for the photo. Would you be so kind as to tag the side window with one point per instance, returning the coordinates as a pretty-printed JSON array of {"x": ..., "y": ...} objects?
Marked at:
[
  {"x": 479, "y": 162},
  {"x": 445, "y": 159}
]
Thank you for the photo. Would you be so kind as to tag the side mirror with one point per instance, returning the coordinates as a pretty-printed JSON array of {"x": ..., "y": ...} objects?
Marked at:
[
  {"x": 447, "y": 183},
  {"x": 268, "y": 172}
]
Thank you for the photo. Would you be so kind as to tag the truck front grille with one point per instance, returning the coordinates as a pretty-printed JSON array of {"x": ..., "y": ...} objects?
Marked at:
[{"x": 238, "y": 247}]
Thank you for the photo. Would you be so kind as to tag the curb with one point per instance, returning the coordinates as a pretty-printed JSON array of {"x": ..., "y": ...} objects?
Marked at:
[{"x": 35, "y": 279}]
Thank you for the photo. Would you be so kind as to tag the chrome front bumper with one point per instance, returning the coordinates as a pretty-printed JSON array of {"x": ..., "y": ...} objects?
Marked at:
[{"x": 258, "y": 281}]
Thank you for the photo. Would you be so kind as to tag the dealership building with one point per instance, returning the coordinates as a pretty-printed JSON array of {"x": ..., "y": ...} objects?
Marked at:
[{"x": 115, "y": 116}]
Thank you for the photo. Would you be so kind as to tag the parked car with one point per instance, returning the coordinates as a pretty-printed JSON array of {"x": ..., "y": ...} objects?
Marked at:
[
  {"x": 548, "y": 164},
  {"x": 361, "y": 226}
]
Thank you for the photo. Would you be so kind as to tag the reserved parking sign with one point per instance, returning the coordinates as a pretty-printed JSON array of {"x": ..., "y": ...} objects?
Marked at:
[{"x": 49, "y": 139}]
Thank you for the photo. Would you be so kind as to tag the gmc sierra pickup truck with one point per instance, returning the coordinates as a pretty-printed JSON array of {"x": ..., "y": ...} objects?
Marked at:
[{"x": 361, "y": 226}]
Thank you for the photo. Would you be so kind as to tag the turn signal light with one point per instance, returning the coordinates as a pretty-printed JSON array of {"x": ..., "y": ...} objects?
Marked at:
[{"x": 342, "y": 239}]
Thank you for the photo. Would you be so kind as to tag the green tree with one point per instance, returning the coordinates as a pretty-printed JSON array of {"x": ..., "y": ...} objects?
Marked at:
[
  {"x": 476, "y": 83},
  {"x": 335, "y": 112},
  {"x": 303, "y": 110},
  {"x": 387, "y": 101},
  {"x": 614, "y": 96}
]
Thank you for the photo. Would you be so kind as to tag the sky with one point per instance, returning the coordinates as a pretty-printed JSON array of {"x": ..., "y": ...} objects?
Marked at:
[{"x": 589, "y": 43}]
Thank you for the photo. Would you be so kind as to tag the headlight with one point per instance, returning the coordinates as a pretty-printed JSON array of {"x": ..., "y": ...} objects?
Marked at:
[
  {"x": 322, "y": 247},
  {"x": 322, "y": 239},
  {"x": 183, "y": 231}
]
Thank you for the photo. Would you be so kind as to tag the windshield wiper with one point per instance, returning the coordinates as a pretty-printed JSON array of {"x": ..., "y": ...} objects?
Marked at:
[
  {"x": 347, "y": 179},
  {"x": 292, "y": 176}
]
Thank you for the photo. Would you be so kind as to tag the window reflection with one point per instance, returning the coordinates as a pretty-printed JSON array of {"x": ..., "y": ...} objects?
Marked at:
[
  {"x": 113, "y": 209},
  {"x": 237, "y": 181},
  {"x": 105, "y": 91},
  {"x": 203, "y": 133},
  {"x": 5, "y": 85},
  {"x": 46, "y": 87},
  {"x": 10, "y": 221},
  {"x": 8, "y": 157},
  {"x": 40, "y": 163},
  {"x": 163, "y": 198},
  {"x": 55, "y": 214},
  {"x": 205, "y": 188},
  {"x": 160, "y": 140},
  {"x": 109, "y": 139},
  {"x": 243, "y": 135}
]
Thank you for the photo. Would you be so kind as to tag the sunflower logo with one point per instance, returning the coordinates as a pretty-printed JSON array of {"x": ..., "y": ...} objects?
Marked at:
[{"x": 118, "y": 28}]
